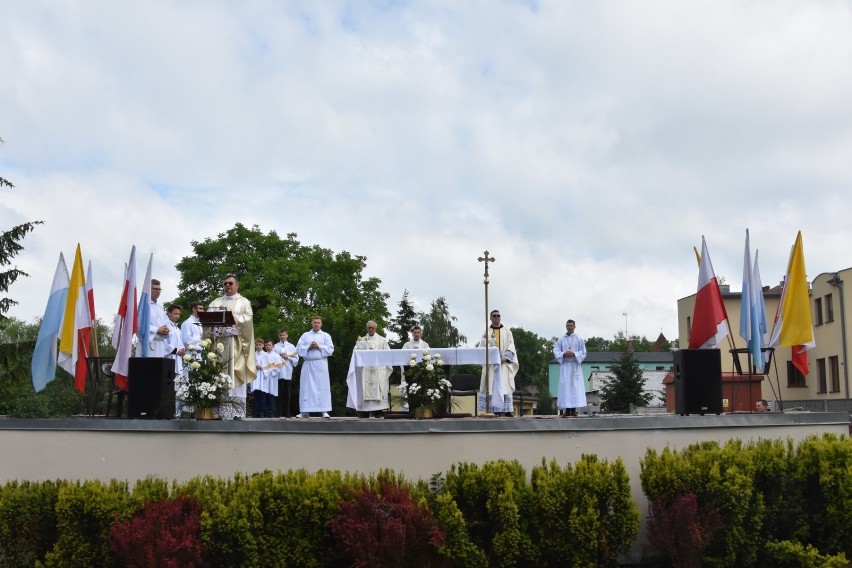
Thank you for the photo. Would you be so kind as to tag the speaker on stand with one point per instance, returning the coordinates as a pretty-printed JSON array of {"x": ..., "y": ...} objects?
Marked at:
[
  {"x": 698, "y": 381},
  {"x": 151, "y": 388}
]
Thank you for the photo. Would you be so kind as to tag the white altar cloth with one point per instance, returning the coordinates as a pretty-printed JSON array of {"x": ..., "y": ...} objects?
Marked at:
[{"x": 400, "y": 357}]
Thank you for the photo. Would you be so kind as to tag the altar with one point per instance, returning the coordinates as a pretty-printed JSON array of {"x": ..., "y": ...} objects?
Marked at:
[{"x": 401, "y": 357}]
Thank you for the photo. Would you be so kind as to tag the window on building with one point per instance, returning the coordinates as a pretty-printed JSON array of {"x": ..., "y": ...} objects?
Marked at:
[
  {"x": 596, "y": 367},
  {"x": 821, "y": 376},
  {"x": 688, "y": 328},
  {"x": 659, "y": 368},
  {"x": 829, "y": 308},
  {"x": 817, "y": 311},
  {"x": 834, "y": 373},
  {"x": 794, "y": 377}
]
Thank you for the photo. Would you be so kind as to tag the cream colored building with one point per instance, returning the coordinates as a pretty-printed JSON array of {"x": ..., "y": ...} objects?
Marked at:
[{"x": 828, "y": 379}]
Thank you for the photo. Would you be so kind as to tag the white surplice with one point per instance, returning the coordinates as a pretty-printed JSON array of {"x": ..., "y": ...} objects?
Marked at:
[
  {"x": 157, "y": 343},
  {"x": 287, "y": 352}
]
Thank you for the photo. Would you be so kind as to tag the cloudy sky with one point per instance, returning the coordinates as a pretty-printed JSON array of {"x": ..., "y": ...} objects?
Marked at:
[{"x": 586, "y": 145}]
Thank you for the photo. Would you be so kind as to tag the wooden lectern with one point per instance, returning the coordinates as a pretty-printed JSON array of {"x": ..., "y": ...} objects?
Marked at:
[{"x": 216, "y": 318}]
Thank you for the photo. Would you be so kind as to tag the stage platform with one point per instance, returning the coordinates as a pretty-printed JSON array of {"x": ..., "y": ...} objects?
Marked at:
[{"x": 108, "y": 448}]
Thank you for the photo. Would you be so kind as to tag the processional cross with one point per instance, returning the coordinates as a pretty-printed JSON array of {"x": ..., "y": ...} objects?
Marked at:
[{"x": 486, "y": 259}]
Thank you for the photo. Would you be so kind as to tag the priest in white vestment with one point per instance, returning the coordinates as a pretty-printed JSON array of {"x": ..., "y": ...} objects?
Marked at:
[
  {"x": 375, "y": 381},
  {"x": 158, "y": 330},
  {"x": 239, "y": 348},
  {"x": 570, "y": 352},
  {"x": 498, "y": 393},
  {"x": 315, "y": 347}
]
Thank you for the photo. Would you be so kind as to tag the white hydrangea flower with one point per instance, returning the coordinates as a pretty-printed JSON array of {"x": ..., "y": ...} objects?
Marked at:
[{"x": 430, "y": 367}]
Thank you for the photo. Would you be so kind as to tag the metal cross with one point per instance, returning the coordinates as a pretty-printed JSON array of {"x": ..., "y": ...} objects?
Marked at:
[{"x": 486, "y": 259}]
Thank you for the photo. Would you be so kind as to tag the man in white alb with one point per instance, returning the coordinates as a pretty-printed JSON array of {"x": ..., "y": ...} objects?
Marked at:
[
  {"x": 418, "y": 343},
  {"x": 570, "y": 352},
  {"x": 158, "y": 329},
  {"x": 315, "y": 347},
  {"x": 175, "y": 348},
  {"x": 190, "y": 329},
  {"x": 287, "y": 352}
]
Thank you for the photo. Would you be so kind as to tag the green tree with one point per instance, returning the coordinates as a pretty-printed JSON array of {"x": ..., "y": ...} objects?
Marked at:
[
  {"x": 439, "y": 329},
  {"x": 626, "y": 387},
  {"x": 619, "y": 343},
  {"x": 10, "y": 247},
  {"x": 534, "y": 354},
  {"x": 401, "y": 324},
  {"x": 598, "y": 344},
  {"x": 288, "y": 282}
]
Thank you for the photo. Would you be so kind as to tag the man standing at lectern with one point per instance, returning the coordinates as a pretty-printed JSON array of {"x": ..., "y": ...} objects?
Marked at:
[{"x": 240, "y": 348}]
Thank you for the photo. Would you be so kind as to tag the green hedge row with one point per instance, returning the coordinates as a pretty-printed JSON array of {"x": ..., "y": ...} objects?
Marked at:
[
  {"x": 489, "y": 515},
  {"x": 764, "y": 503}
]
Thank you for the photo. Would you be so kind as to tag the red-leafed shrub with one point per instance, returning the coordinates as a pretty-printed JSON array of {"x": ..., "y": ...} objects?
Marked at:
[
  {"x": 678, "y": 531},
  {"x": 386, "y": 529},
  {"x": 164, "y": 534}
]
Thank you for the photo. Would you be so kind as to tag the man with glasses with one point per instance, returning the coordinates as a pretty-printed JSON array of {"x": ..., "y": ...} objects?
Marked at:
[
  {"x": 499, "y": 392},
  {"x": 239, "y": 348},
  {"x": 158, "y": 330}
]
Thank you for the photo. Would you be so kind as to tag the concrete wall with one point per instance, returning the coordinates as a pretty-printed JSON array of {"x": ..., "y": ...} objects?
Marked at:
[{"x": 181, "y": 449}]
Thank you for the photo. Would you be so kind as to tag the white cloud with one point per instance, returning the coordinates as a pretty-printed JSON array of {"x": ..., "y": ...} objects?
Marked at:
[{"x": 586, "y": 146}]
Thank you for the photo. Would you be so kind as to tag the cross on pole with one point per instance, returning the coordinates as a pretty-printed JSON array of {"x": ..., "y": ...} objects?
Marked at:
[{"x": 486, "y": 259}]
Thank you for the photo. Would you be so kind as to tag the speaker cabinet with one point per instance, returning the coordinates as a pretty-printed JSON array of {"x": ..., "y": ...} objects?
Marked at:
[
  {"x": 151, "y": 387},
  {"x": 698, "y": 381}
]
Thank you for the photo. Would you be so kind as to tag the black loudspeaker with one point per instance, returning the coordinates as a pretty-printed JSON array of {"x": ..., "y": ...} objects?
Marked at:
[
  {"x": 151, "y": 387},
  {"x": 698, "y": 381}
]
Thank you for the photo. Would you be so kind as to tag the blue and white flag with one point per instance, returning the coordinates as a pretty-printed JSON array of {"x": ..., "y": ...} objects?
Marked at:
[
  {"x": 145, "y": 312},
  {"x": 47, "y": 347}
]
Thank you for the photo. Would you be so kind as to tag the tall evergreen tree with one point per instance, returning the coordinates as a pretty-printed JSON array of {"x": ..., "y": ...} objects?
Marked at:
[
  {"x": 401, "y": 324},
  {"x": 626, "y": 387},
  {"x": 439, "y": 329},
  {"x": 9, "y": 248}
]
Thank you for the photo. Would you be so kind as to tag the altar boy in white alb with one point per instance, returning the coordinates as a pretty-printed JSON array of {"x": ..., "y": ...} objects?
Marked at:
[
  {"x": 570, "y": 351},
  {"x": 315, "y": 347}
]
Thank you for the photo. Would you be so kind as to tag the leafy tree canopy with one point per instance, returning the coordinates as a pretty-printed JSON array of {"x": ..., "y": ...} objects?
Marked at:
[
  {"x": 625, "y": 387},
  {"x": 534, "y": 355},
  {"x": 618, "y": 343},
  {"x": 439, "y": 329},
  {"x": 287, "y": 283}
]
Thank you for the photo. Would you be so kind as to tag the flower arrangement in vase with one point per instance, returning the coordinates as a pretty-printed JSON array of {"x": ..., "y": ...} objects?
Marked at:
[
  {"x": 426, "y": 385},
  {"x": 204, "y": 384}
]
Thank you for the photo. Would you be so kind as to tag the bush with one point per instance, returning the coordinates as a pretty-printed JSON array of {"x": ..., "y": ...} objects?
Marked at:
[
  {"x": 163, "y": 534},
  {"x": 84, "y": 512},
  {"x": 585, "y": 514},
  {"x": 27, "y": 521},
  {"x": 678, "y": 530},
  {"x": 386, "y": 528},
  {"x": 763, "y": 491}
]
